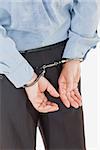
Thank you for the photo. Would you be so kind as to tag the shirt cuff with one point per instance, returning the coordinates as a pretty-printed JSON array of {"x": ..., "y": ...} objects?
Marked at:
[
  {"x": 20, "y": 75},
  {"x": 78, "y": 46}
]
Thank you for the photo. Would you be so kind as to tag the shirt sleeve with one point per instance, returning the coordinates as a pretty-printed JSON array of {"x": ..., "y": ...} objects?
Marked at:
[
  {"x": 16, "y": 68},
  {"x": 83, "y": 28}
]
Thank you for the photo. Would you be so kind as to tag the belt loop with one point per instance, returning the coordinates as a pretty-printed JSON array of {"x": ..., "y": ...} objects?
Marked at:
[{"x": 1, "y": 76}]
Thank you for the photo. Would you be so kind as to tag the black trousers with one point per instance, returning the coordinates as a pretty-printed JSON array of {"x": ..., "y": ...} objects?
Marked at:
[{"x": 61, "y": 130}]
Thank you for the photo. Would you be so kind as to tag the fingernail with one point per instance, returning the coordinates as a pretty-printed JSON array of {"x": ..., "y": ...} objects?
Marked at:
[
  {"x": 58, "y": 94},
  {"x": 77, "y": 106},
  {"x": 49, "y": 106},
  {"x": 68, "y": 105},
  {"x": 57, "y": 108},
  {"x": 81, "y": 104}
]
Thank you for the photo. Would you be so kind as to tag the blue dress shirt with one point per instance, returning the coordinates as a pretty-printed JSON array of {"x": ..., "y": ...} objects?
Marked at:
[{"x": 30, "y": 24}]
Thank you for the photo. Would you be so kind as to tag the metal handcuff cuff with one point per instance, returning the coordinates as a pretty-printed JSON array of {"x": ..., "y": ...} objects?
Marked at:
[{"x": 43, "y": 68}]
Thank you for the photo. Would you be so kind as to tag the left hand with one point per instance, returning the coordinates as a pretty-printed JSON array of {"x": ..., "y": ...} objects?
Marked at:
[{"x": 68, "y": 84}]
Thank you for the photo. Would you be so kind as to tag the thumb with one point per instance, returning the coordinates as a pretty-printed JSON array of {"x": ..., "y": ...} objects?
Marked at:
[{"x": 52, "y": 90}]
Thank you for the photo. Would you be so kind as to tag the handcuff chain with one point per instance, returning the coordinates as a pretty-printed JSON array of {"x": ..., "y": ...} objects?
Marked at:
[
  {"x": 52, "y": 64},
  {"x": 47, "y": 66}
]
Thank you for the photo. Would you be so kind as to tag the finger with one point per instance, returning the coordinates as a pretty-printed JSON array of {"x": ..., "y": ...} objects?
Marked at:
[
  {"x": 45, "y": 102},
  {"x": 77, "y": 93},
  {"x": 65, "y": 100},
  {"x": 62, "y": 88},
  {"x": 49, "y": 103},
  {"x": 72, "y": 101},
  {"x": 52, "y": 90},
  {"x": 39, "y": 98},
  {"x": 48, "y": 108},
  {"x": 51, "y": 108},
  {"x": 62, "y": 92},
  {"x": 76, "y": 98}
]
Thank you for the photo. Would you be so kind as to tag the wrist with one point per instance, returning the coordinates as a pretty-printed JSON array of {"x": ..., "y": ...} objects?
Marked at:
[
  {"x": 30, "y": 82},
  {"x": 75, "y": 61},
  {"x": 33, "y": 78},
  {"x": 72, "y": 61}
]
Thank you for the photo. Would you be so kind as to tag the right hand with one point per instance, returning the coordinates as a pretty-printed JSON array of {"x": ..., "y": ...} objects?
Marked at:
[{"x": 37, "y": 97}]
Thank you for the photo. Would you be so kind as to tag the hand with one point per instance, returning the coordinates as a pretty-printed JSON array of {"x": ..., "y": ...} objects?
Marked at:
[
  {"x": 37, "y": 97},
  {"x": 68, "y": 84}
]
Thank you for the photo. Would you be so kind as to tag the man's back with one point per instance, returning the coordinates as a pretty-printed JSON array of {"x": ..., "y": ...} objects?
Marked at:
[{"x": 32, "y": 23}]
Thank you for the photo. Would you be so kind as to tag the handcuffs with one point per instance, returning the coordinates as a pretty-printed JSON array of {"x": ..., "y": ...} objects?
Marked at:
[{"x": 43, "y": 68}]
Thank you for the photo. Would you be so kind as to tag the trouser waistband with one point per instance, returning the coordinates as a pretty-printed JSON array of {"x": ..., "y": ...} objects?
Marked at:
[{"x": 45, "y": 47}]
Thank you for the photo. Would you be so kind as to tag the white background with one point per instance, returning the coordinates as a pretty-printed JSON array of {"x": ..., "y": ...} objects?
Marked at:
[{"x": 90, "y": 89}]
